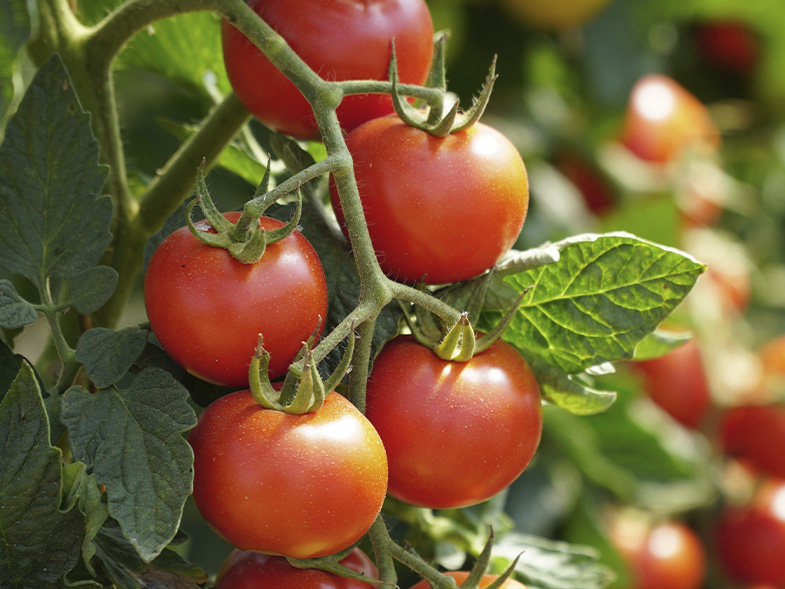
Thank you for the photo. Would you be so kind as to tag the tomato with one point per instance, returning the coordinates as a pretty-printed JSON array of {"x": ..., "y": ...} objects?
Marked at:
[
  {"x": 347, "y": 40},
  {"x": 207, "y": 309},
  {"x": 251, "y": 570},
  {"x": 295, "y": 485},
  {"x": 663, "y": 119},
  {"x": 456, "y": 433},
  {"x": 565, "y": 14},
  {"x": 756, "y": 435},
  {"x": 461, "y": 576},
  {"x": 751, "y": 538},
  {"x": 596, "y": 190},
  {"x": 441, "y": 208},
  {"x": 677, "y": 383},
  {"x": 668, "y": 555},
  {"x": 728, "y": 45}
]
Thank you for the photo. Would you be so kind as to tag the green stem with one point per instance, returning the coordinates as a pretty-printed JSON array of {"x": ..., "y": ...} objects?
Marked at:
[
  {"x": 381, "y": 541},
  {"x": 422, "y": 568},
  {"x": 70, "y": 367}
]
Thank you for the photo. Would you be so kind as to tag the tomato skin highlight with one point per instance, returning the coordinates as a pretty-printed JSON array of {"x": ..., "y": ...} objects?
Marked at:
[
  {"x": 294, "y": 485},
  {"x": 461, "y": 576},
  {"x": 456, "y": 434},
  {"x": 347, "y": 40},
  {"x": 469, "y": 193},
  {"x": 207, "y": 309},
  {"x": 252, "y": 570}
]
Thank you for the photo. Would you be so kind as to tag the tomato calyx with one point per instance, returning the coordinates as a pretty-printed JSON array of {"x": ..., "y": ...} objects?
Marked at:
[
  {"x": 245, "y": 240},
  {"x": 434, "y": 120},
  {"x": 302, "y": 390}
]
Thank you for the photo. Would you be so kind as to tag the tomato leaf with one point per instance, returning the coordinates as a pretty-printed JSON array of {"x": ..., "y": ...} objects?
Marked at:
[
  {"x": 54, "y": 222},
  {"x": 83, "y": 492},
  {"x": 107, "y": 354},
  {"x": 133, "y": 441},
  {"x": 14, "y": 310},
  {"x": 92, "y": 288},
  {"x": 14, "y": 32},
  {"x": 545, "y": 564},
  {"x": 40, "y": 542},
  {"x": 10, "y": 364},
  {"x": 184, "y": 49},
  {"x": 605, "y": 294},
  {"x": 567, "y": 392},
  {"x": 659, "y": 343}
]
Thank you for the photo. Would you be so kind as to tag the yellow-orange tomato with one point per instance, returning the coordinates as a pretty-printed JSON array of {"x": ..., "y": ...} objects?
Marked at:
[
  {"x": 663, "y": 119},
  {"x": 554, "y": 15}
]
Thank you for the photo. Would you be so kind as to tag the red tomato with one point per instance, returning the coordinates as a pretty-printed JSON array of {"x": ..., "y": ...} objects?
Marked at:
[
  {"x": 207, "y": 309},
  {"x": 251, "y": 570},
  {"x": 441, "y": 208},
  {"x": 728, "y": 45},
  {"x": 756, "y": 435},
  {"x": 456, "y": 433},
  {"x": 295, "y": 485},
  {"x": 461, "y": 576},
  {"x": 596, "y": 191},
  {"x": 677, "y": 383},
  {"x": 751, "y": 538},
  {"x": 663, "y": 118},
  {"x": 670, "y": 555},
  {"x": 347, "y": 40}
]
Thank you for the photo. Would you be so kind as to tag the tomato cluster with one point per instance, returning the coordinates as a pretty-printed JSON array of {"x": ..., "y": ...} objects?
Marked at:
[{"x": 278, "y": 482}]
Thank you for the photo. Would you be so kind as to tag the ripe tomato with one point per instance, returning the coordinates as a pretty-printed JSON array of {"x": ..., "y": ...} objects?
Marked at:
[
  {"x": 207, "y": 309},
  {"x": 756, "y": 435},
  {"x": 251, "y": 570},
  {"x": 728, "y": 45},
  {"x": 565, "y": 14},
  {"x": 347, "y": 40},
  {"x": 295, "y": 485},
  {"x": 663, "y": 118},
  {"x": 668, "y": 555},
  {"x": 441, "y": 208},
  {"x": 751, "y": 538},
  {"x": 461, "y": 576},
  {"x": 596, "y": 190},
  {"x": 456, "y": 433},
  {"x": 677, "y": 383}
]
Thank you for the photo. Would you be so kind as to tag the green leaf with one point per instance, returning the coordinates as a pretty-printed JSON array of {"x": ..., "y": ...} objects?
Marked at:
[
  {"x": 183, "y": 49},
  {"x": 83, "y": 491},
  {"x": 14, "y": 310},
  {"x": 133, "y": 441},
  {"x": 92, "y": 288},
  {"x": 10, "y": 364},
  {"x": 39, "y": 543},
  {"x": 14, "y": 32},
  {"x": 127, "y": 570},
  {"x": 659, "y": 343},
  {"x": 52, "y": 220},
  {"x": 605, "y": 294},
  {"x": 546, "y": 564},
  {"x": 568, "y": 392},
  {"x": 107, "y": 354},
  {"x": 235, "y": 157}
]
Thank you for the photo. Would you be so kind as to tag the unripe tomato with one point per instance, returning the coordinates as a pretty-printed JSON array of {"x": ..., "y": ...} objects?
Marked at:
[
  {"x": 346, "y": 40},
  {"x": 440, "y": 208},
  {"x": 554, "y": 15},
  {"x": 461, "y": 576},
  {"x": 755, "y": 434},
  {"x": 663, "y": 119},
  {"x": 751, "y": 538},
  {"x": 295, "y": 485},
  {"x": 207, "y": 309},
  {"x": 456, "y": 433},
  {"x": 252, "y": 570},
  {"x": 677, "y": 383}
]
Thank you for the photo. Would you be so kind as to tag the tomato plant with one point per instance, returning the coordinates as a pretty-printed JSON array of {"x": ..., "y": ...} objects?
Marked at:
[
  {"x": 663, "y": 119},
  {"x": 250, "y": 570},
  {"x": 669, "y": 554},
  {"x": 456, "y": 433},
  {"x": 207, "y": 309},
  {"x": 461, "y": 576},
  {"x": 751, "y": 538},
  {"x": 340, "y": 41},
  {"x": 297, "y": 485},
  {"x": 470, "y": 189},
  {"x": 677, "y": 383}
]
